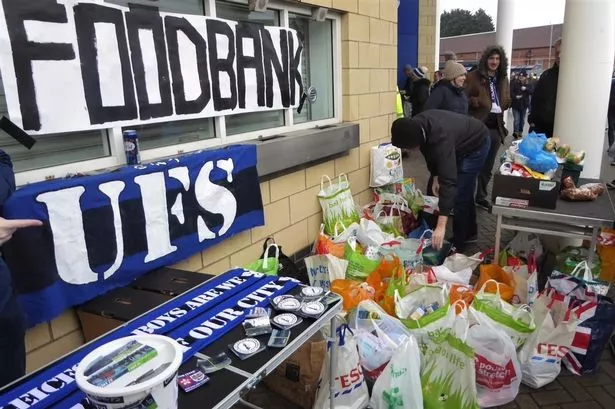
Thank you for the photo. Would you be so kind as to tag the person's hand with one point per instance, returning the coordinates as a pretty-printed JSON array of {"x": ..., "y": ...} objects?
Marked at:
[
  {"x": 8, "y": 227},
  {"x": 435, "y": 187},
  {"x": 437, "y": 238}
]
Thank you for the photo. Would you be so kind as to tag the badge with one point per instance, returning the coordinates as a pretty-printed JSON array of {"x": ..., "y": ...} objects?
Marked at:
[
  {"x": 289, "y": 304},
  {"x": 285, "y": 320},
  {"x": 276, "y": 300},
  {"x": 312, "y": 292},
  {"x": 247, "y": 346},
  {"x": 313, "y": 308}
]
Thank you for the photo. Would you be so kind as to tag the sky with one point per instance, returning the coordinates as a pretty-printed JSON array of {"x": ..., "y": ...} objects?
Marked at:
[{"x": 529, "y": 13}]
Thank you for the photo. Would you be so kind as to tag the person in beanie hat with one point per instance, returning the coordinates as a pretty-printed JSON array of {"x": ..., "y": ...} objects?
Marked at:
[
  {"x": 448, "y": 93},
  {"x": 420, "y": 90},
  {"x": 455, "y": 148},
  {"x": 488, "y": 93}
]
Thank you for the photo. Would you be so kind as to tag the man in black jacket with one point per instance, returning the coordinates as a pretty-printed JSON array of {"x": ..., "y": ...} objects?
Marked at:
[
  {"x": 542, "y": 110},
  {"x": 455, "y": 148}
]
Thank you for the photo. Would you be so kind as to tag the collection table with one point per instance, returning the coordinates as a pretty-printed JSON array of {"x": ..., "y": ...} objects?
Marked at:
[
  {"x": 228, "y": 386},
  {"x": 579, "y": 220}
]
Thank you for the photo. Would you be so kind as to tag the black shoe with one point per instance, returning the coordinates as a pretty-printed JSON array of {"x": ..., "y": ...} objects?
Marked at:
[{"x": 483, "y": 204}]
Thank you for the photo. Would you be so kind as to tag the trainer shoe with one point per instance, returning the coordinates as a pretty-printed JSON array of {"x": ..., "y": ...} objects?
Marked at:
[{"x": 483, "y": 204}]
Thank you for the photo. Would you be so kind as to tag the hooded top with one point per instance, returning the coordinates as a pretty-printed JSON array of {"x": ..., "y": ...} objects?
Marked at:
[
  {"x": 444, "y": 95},
  {"x": 477, "y": 89}
]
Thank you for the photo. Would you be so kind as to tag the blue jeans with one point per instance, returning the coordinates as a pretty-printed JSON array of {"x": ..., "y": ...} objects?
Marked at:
[
  {"x": 468, "y": 168},
  {"x": 519, "y": 120}
]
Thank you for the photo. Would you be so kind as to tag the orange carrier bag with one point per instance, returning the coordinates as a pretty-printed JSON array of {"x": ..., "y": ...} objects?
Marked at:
[
  {"x": 495, "y": 272},
  {"x": 353, "y": 292}
]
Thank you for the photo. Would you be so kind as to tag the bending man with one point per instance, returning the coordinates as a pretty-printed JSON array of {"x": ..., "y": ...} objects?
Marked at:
[{"x": 455, "y": 148}]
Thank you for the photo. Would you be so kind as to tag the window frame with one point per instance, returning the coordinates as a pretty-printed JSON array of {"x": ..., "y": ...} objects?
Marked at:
[{"x": 115, "y": 139}]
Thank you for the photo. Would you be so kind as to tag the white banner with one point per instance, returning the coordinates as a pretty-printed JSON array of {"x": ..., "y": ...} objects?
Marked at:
[{"x": 72, "y": 65}]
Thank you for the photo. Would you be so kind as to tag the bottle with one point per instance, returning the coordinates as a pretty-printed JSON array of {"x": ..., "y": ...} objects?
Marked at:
[{"x": 131, "y": 147}]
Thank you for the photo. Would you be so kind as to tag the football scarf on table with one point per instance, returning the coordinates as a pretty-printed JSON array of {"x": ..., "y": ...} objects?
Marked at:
[
  {"x": 102, "y": 231},
  {"x": 230, "y": 290}
]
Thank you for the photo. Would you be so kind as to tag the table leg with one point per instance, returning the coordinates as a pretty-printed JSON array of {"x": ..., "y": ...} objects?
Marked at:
[
  {"x": 593, "y": 245},
  {"x": 498, "y": 239},
  {"x": 333, "y": 363}
]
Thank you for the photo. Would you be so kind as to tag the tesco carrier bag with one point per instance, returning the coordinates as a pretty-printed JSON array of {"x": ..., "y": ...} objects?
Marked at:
[{"x": 350, "y": 391}]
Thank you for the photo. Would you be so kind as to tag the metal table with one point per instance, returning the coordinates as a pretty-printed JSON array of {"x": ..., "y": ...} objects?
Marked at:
[
  {"x": 227, "y": 387},
  {"x": 579, "y": 220}
]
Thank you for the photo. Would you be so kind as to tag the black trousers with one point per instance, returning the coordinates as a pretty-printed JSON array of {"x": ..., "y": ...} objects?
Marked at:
[
  {"x": 487, "y": 172},
  {"x": 12, "y": 343}
]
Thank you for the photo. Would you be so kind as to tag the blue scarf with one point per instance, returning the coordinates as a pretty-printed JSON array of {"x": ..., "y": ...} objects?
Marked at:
[{"x": 493, "y": 90}]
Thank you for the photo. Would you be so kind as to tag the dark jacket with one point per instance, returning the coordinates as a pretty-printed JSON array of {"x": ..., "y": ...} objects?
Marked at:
[
  {"x": 520, "y": 98},
  {"x": 449, "y": 137},
  {"x": 419, "y": 95},
  {"x": 444, "y": 95},
  {"x": 7, "y": 187},
  {"x": 542, "y": 111},
  {"x": 408, "y": 88},
  {"x": 479, "y": 96}
]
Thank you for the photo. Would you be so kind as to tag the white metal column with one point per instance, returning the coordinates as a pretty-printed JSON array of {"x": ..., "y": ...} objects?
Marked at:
[
  {"x": 505, "y": 27},
  {"x": 586, "y": 67}
]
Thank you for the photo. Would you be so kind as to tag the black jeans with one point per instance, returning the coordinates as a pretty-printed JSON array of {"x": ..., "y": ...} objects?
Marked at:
[
  {"x": 464, "y": 223},
  {"x": 485, "y": 174},
  {"x": 12, "y": 343}
]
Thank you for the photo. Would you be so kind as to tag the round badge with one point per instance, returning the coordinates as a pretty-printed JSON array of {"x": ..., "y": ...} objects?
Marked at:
[
  {"x": 289, "y": 304},
  {"x": 312, "y": 291},
  {"x": 313, "y": 308},
  {"x": 247, "y": 346},
  {"x": 285, "y": 320},
  {"x": 276, "y": 300}
]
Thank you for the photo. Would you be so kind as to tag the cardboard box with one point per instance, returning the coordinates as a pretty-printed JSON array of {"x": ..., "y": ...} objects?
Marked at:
[
  {"x": 170, "y": 281},
  {"x": 109, "y": 311},
  {"x": 515, "y": 191},
  {"x": 296, "y": 379}
]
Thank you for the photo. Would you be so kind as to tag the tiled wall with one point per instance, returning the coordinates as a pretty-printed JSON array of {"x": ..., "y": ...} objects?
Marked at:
[{"x": 292, "y": 211}]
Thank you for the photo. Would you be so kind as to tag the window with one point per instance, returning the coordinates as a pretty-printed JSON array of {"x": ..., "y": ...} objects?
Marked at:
[
  {"x": 59, "y": 154},
  {"x": 317, "y": 66},
  {"x": 177, "y": 132},
  {"x": 241, "y": 123},
  {"x": 53, "y": 150}
]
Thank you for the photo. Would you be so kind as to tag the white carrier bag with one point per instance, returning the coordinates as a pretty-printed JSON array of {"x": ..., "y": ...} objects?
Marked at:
[
  {"x": 385, "y": 165},
  {"x": 350, "y": 391}
]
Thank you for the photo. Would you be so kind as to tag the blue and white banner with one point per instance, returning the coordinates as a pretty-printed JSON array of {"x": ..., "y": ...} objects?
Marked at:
[
  {"x": 232, "y": 291},
  {"x": 102, "y": 231}
]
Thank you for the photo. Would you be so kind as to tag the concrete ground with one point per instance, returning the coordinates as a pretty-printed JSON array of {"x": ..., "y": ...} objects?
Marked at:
[{"x": 568, "y": 391}]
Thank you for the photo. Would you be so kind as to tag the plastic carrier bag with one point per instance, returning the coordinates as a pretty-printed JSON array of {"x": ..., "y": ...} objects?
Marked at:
[
  {"x": 399, "y": 385},
  {"x": 350, "y": 391},
  {"x": 498, "y": 372},
  {"x": 337, "y": 203},
  {"x": 385, "y": 165}
]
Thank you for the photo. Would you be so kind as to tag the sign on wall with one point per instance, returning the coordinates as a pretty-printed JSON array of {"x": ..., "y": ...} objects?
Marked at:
[
  {"x": 71, "y": 65},
  {"x": 101, "y": 232}
]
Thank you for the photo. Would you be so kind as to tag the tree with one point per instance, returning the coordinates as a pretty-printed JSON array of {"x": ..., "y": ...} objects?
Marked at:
[{"x": 458, "y": 21}]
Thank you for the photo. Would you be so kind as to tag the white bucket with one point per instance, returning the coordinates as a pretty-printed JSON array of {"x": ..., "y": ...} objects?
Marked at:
[{"x": 162, "y": 388}]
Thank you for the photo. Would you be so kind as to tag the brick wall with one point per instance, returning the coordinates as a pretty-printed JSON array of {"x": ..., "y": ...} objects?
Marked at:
[
  {"x": 427, "y": 35},
  {"x": 292, "y": 211}
]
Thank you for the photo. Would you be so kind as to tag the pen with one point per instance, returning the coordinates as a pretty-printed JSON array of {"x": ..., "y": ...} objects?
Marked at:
[{"x": 111, "y": 358}]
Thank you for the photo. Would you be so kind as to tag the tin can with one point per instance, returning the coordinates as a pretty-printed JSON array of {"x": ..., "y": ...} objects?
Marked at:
[{"x": 131, "y": 147}]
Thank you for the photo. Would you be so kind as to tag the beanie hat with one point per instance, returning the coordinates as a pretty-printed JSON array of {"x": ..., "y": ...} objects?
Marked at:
[
  {"x": 449, "y": 55},
  {"x": 453, "y": 70},
  {"x": 418, "y": 72},
  {"x": 407, "y": 134}
]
